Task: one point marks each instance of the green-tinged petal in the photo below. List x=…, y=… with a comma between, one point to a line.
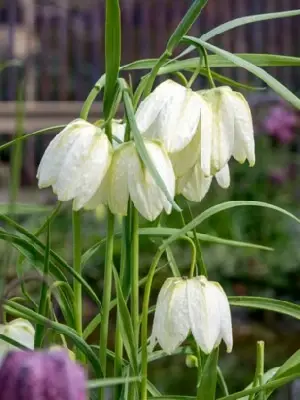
x=194, y=185
x=171, y=321
x=118, y=178
x=146, y=195
x=225, y=316
x=118, y=131
x=244, y=146
x=56, y=152
x=223, y=126
x=223, y=177
x=100, y=197
x=206, y=129
x=204, y=316
x=171, y=115
x=94, y=170
x=185, y=159
x=19, y=330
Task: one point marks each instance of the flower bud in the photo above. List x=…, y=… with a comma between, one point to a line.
x=41, y=375
x=75, y=162
x=191, y=304
x=19, y=330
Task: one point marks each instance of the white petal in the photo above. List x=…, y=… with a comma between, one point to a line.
x=19, y=330
x=149, y=108
x=194, y=185
x=56, y=152
x=171, y=322
x=93, y=171
x=223, y=177
x=225, y=316
x=100, y=197
x=171, y=114
x=185, y=159
x=223, y=127
x=206, y=129
x=204, y=314
x=118, y=130
x=68, y=183
x=244, y=145
x=146, y=195
x=118, y=176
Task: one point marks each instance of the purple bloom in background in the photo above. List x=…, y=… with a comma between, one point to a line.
x=280, y=123
x=51, y=375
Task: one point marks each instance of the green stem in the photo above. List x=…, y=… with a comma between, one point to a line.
x=77, y=288
x=92, y=97
x=200, y=259
x=144, y=328
x=259, y=370
x=150, y=81
x=118, y=362
x=135, y=275
x=108, y=269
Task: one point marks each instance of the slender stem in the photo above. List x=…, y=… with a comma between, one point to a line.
x=200, y=259
x=259, y=370
x=221, y=382
x=118, y=335
x=144, y=329
x=209, y=75
x=108, y=268
x=135, y=275
x=76, y=284
x=92, y=97
x=199, y=371
x=150, y=81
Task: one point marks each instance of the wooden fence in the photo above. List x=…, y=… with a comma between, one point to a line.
x=61, y=43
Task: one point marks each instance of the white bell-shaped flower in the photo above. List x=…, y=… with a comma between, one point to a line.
x=171, y=114
x=129, y=177
x=195, y=305
x=19, y=330
x=118, y=132
x=194, y=185
x=75, y=162
x=232, y=129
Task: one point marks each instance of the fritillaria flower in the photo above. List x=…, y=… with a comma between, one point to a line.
x=75, y=162
x=20, y=330
x=129, y=177
x=195, y=305
x=41, y=375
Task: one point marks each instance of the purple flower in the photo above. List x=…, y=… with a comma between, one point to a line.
x=280, y=123
x=47, y=375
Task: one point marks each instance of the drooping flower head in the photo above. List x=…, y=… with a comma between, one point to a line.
x=19, y=330
x=75, y=162
x=195, y=305
x=129, y=177
x=41, y=375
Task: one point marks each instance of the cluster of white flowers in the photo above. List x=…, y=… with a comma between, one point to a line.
x=189, y=136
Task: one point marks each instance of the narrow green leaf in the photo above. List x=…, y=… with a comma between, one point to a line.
x=112, y=52
x=91, y=251
x=163, y=232
x=126, y=325
x=247, y=20
x=266, y=378
x=106, y=382
x=42, y=310
x=24, y=137
x=18, y=310
x=208, y=383
x=186, y=23
x=290, y=367
x=218, y=208
x=278, y=87
x=13, y=342
x=24, y=209
x=263, y=303
x=217, y=61
x=140, y=145
x=240, y=22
